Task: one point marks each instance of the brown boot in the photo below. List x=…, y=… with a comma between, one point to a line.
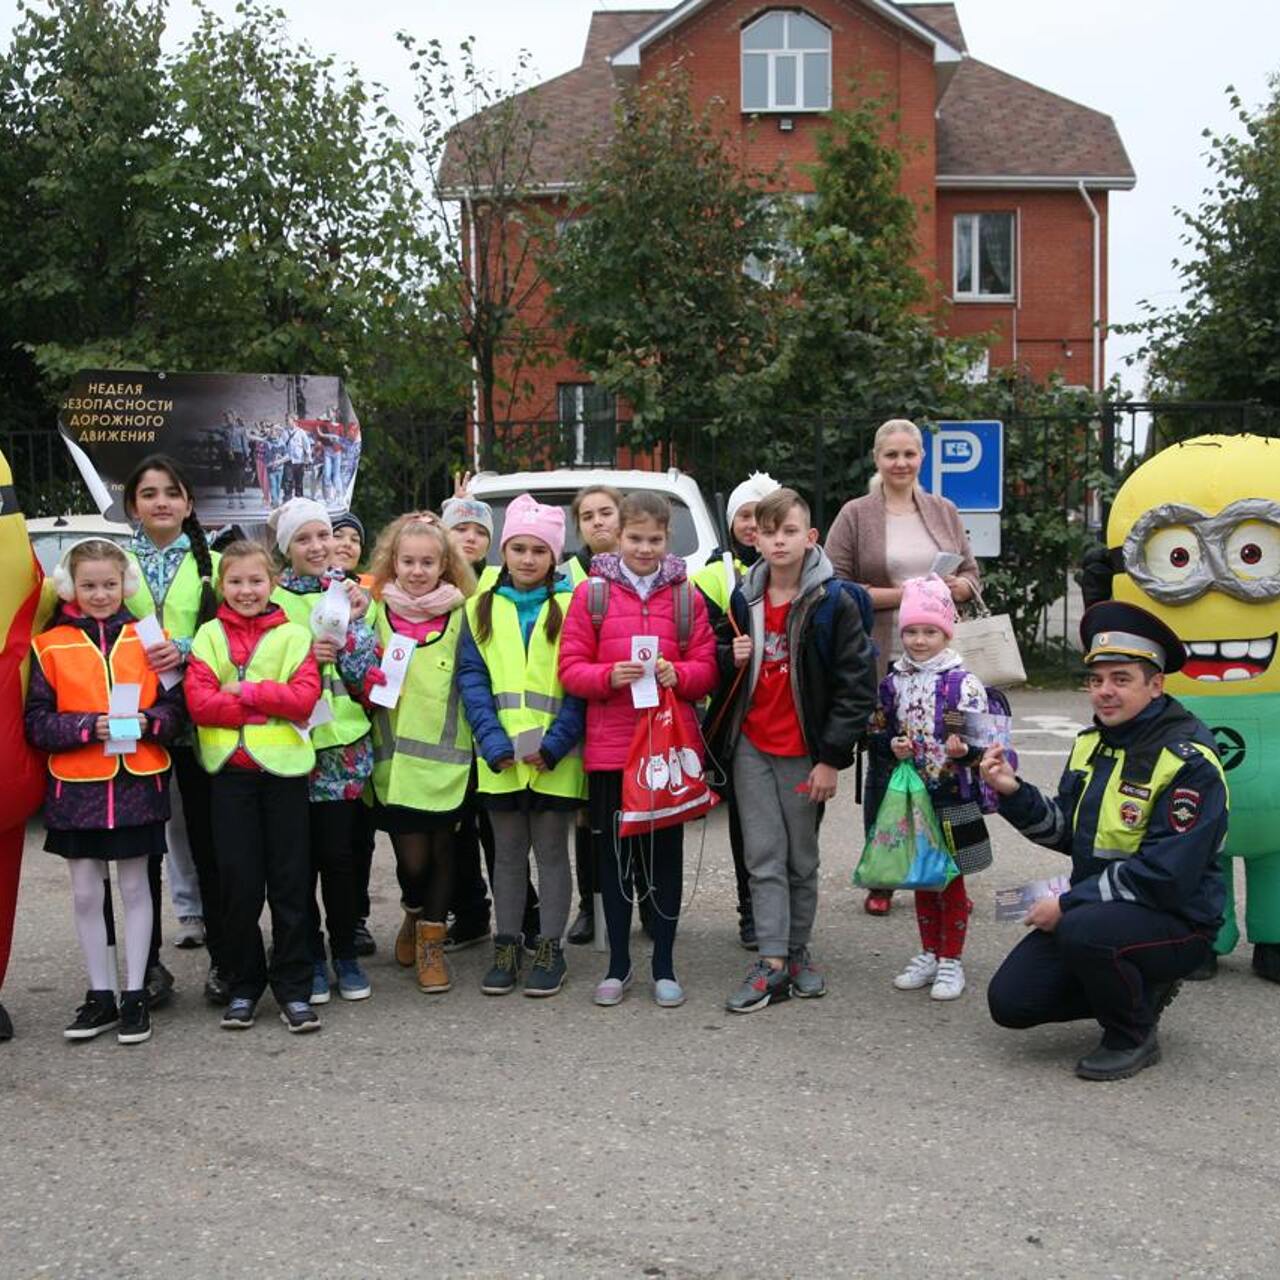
x=433, y=968
x=405, y=944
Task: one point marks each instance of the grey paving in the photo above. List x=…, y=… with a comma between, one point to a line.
x=871, y=1133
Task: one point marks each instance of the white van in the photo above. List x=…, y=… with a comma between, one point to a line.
x=693, y=531
x=52, y=535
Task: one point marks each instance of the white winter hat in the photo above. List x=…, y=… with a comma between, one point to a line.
x=285, y=521
x=759, y=484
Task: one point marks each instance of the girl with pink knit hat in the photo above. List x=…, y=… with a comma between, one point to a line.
x=922, y=703
x=527, y=732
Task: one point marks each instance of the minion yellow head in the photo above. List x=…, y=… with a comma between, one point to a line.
x=1198, y=530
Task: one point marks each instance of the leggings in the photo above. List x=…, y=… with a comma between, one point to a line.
x=514, y=831
x=943, y=919
x=88, y=895
x=424, y=867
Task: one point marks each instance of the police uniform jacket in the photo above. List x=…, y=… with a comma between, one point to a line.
x=1175, y=804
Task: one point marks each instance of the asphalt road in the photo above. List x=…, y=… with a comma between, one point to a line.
x=871, y=1133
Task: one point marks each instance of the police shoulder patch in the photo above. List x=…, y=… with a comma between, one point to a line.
x=1184, y=808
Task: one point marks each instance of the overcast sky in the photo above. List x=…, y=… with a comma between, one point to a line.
x=1159, y=67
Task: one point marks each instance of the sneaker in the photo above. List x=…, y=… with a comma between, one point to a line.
x=668, y=993
x=502, y=977
x=547, y=975
x=239, y=1014
x=466, y=933
x=190, y=933
x=217, y=990
x=950, y=980
x=135, y=1020
x=319, y=983
x=353, y=982
x=806, y=981
x=611, y=990
x=365, y=942
x=920, y=972
x=299, y=1017
x=764, y=986
x=159, y=986
x=582, y=930
x=96, y=1015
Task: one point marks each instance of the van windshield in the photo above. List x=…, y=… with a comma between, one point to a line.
x=684, y=537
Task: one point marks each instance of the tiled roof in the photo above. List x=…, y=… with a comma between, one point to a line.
x=943, y=18
x=575, y=110
x=993, y=124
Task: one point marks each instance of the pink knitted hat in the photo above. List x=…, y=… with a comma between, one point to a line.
x=527, y=517
x=926, y=602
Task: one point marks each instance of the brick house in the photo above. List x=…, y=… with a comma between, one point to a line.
x=1011, y=182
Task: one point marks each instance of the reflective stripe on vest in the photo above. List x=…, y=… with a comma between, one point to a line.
x=527, y=694
x=275, y=747
x=180, y=608
x=82, y=679
x=422, y=746
x=1125, y=809
x=349, y=723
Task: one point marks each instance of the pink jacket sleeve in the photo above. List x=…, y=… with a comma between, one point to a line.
x=294, y=700
x=207, y=703
x=697, y=672
x=580, y=671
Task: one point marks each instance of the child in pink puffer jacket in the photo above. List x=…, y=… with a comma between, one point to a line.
x=645, y=593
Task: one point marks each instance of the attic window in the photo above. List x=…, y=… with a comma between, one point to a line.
x=786, y=63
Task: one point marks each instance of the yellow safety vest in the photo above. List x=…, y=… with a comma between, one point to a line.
x=487, y=577
x=572, y=568
x=277, y=746
x=422, y=745
x=1127, y=804
x=178, y=611
x=710, y=580
x=527, y=694
x=349, y=723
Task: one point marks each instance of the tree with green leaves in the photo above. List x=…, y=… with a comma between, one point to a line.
x=648, y=269
x=1222, y=341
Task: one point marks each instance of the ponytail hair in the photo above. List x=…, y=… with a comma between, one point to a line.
x=484, y=608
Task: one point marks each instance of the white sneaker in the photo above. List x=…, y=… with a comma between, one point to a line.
x=950, y=980
x=921, y=971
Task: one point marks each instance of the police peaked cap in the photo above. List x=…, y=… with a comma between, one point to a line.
x=1113, y=631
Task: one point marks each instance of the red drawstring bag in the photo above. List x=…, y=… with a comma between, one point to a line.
x=663, y=783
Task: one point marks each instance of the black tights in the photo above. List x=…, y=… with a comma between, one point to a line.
x=424, y=867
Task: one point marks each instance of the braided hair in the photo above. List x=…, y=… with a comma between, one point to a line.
x=484, y=607
x=190, y=526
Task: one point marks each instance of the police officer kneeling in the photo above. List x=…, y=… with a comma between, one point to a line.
x=1142, y=810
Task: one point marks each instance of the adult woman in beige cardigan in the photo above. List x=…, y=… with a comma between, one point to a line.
x=891, y=534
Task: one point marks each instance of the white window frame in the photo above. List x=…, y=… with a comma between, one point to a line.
x=771, y=56
x=578, y=422
x=974, y=232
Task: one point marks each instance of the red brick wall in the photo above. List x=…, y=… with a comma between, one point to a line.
x=1055, y=314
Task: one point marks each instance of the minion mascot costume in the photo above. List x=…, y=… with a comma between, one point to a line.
x=23, y=788
x=1194, y=538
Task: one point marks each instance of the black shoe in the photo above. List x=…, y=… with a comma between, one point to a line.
x=299, y=1017
x=239, y=1014
x=217, y=990
x=466, y=933
x=505, y=973
x=6, y=1025
x=1266, y=960
x=158, y=986
x=135, y=1019
x=1205, y=971
x=547, y=975
x=1119, y=1064
x=747, y=931
x=582, y=930
x=365, y=944
x=96, y=1015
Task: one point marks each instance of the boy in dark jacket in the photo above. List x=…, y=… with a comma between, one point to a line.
x=805, y=699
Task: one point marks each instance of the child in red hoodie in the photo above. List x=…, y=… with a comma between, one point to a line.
x=251, y=685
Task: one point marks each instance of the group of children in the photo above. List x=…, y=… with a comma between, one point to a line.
x=462, y=706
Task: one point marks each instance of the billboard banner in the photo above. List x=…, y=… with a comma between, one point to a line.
x=248, y=441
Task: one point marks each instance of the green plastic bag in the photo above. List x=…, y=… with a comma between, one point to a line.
x=906, y=847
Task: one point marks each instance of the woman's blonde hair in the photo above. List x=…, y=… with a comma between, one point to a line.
x=453, y=564
x=245, y=549
x=894, y=427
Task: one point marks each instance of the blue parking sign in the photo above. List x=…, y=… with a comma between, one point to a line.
x=964, y=461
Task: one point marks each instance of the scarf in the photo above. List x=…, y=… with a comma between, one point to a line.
x=443, y=599
x=940, y=662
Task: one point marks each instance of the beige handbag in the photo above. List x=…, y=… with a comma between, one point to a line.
x=988, y=646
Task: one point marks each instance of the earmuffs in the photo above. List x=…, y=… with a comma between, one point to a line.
x=64, y=583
